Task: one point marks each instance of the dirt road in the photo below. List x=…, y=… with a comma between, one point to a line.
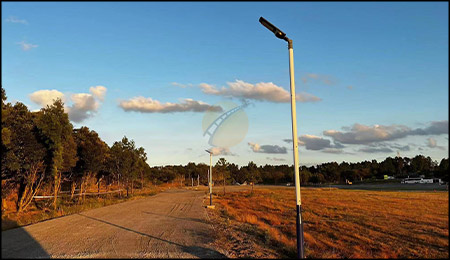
x=172, y=224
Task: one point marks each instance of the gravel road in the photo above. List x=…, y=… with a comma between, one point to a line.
x=171, y=224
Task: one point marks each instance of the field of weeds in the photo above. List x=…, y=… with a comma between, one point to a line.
x=347, y=223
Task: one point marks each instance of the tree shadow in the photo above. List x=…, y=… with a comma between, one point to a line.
x=18, y=243
x=200, y=252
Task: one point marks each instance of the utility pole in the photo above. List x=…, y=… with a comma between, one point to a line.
x=210, y=177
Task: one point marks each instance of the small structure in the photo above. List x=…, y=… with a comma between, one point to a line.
x=417, y=180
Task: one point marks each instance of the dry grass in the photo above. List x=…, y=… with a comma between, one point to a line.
x=348, y=223
x=41, y=210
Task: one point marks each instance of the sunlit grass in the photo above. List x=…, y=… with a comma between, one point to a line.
x=349, y=223
x=43, y=210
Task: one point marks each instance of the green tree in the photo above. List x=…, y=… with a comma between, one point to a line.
x=125, y=161
x=91, y=153
x=23, y=154
x=253, y=173
x=222, y=167
x=56, y=131
x=443, y=169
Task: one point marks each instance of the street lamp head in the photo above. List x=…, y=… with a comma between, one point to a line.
x=278, y=33
x=208, y=151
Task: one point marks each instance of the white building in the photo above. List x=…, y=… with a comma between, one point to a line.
x=421, y=180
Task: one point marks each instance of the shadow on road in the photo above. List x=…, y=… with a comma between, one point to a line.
x=188, y=219
x=13, y=242
x=200, y=252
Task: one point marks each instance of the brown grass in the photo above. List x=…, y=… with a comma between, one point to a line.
x=348, y=223
x=41, y=210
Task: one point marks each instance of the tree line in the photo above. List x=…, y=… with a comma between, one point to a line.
x=330, y=172
x=42, y=151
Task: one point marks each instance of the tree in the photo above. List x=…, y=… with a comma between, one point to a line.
x=305, y=174
x=56, y=131
x=222, y=167
x=142, y=166
x=23, y=154
x=126, y=160
x=421, y=164
x=277, y=175
x=91, y=152
x=253, y=173
x=443, y=169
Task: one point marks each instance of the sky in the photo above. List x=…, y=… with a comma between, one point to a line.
x=371, y=78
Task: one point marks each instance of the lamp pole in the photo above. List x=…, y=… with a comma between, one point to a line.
x=281, y=35
x=210, y=177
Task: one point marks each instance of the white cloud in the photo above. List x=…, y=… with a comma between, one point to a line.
x=255, y=147
x=13, y=19
x=362, y=134
x=376, y=150
x=312, y=142
x=46, y=97
x=27, y=46
x=84, y=105
x=148, y=105
x=435, y=128
x=267, y=148
x=333, y=150
x=263, y=91
x=275, y=159
x=98, y=91
x=220, y=151
x=176, y=84
x=323, y=79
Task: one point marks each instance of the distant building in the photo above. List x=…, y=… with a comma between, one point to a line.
x=421, y=180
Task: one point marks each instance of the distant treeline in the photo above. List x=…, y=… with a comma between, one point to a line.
x=332, y=172
x=41, y=151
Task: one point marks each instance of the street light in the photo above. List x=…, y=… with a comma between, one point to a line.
x=210, y=177
x=279, y=34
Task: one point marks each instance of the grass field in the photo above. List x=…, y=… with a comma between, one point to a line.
x=347, y=223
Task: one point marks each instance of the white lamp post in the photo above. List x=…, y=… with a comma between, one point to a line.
x=279, y=34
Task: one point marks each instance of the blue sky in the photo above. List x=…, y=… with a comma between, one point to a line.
x=376, y=74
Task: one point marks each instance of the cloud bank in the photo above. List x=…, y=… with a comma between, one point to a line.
x=312, y=142
x=84, y=105
x=267, y=148
x=362, y=134
x=263, y=91
x=148, y=105
x=46, y=97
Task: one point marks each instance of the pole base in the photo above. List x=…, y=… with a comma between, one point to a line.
x=211, y=206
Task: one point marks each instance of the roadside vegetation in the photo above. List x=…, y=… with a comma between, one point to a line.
x=338, y=223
